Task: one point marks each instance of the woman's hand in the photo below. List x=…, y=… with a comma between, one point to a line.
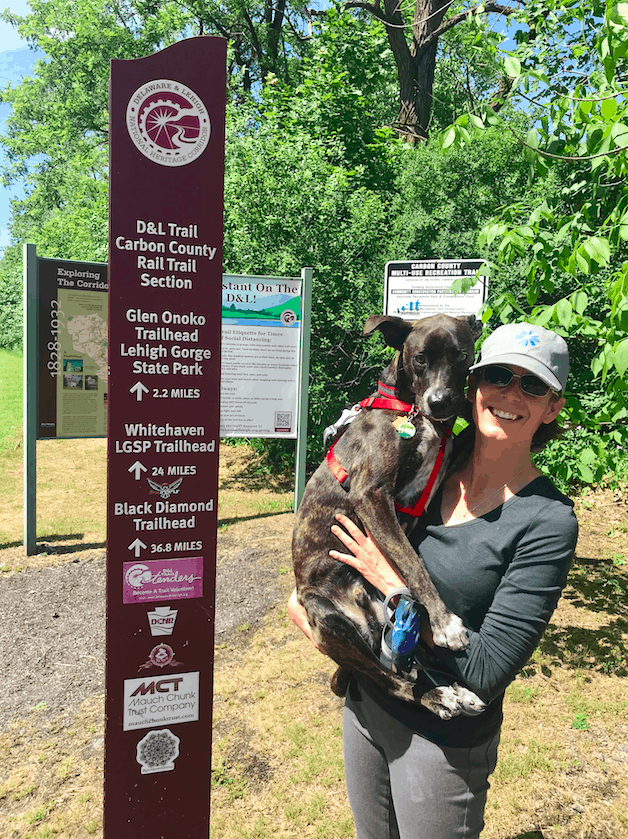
x=365, y=556
x=298, y=615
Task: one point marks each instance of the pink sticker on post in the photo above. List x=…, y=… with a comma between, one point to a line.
x=163, y=579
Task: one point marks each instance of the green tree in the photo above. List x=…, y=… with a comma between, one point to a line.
x=571, y=244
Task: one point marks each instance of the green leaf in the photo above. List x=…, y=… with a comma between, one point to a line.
x=620, y=359
x=543, y=317
x=608, y=108
x=583, y=263
x=617, y=15
x=596, y=365
x=588, y=455
x=598, y=249
x=619, y=133
x=512, y=66
x=585, y=473
x=563, y=312
x=579, y=301
x=448, y=138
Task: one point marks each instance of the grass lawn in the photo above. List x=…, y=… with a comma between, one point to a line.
x=10, y=397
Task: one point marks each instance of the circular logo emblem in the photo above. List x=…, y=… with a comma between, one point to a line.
x=168, y=122
x=287, y=317
x=137, y=575
x=161, y=655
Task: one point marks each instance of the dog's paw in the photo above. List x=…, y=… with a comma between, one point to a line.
x=340, y=681
x=471, y=704
x=449, y=633
x=449, y=701
x=443, y=701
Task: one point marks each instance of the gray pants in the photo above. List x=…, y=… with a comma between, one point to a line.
x=402, y=786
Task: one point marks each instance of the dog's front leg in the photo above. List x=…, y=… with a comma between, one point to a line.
x=376, y=510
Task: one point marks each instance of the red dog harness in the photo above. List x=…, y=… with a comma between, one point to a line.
x=388, y=401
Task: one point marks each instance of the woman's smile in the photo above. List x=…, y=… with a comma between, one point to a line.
x=505, y=415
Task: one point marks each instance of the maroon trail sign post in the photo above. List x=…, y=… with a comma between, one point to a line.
x=167, y=116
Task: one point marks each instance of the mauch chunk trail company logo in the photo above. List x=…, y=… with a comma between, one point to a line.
x=168, y=122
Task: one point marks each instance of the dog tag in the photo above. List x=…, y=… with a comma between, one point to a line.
x=406, y=429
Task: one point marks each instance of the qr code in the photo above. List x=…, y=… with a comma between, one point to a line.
x=283, y=421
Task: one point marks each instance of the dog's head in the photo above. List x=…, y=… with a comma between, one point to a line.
x=434, y=356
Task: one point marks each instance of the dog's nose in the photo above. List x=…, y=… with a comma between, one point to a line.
x=439, y=402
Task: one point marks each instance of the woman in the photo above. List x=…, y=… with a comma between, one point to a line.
x=498, y=540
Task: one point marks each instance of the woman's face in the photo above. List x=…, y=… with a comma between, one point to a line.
x=507, y=413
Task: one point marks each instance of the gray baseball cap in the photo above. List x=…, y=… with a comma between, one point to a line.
x=534, y=348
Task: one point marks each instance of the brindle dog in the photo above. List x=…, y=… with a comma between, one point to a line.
x=345, y=614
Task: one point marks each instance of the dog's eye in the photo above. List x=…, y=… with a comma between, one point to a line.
x=420, y=358
x=463, y=356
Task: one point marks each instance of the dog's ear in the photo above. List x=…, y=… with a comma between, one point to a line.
x=395, y=330
x=474, y=325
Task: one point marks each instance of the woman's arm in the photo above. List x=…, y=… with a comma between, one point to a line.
x=521, y=605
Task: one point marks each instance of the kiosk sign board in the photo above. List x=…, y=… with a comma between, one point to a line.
x=167, y=116
x=420, y=288
x=261, y=340
x=72, y=344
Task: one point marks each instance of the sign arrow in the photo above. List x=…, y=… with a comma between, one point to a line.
x=136, y=546
x=139, y=389
x=138, y=468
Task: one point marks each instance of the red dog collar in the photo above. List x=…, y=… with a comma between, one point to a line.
x=387, y=400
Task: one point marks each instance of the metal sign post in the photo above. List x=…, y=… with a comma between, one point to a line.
x=167, y=115
x=307, y=275
x=30, y=399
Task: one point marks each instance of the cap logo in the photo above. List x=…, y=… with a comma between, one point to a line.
x=528, y=338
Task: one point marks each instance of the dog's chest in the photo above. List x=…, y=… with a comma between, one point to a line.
x=417, y=460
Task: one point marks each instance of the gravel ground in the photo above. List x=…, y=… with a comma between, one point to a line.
x=52, y=631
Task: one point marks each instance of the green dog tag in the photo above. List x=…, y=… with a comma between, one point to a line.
x=406, y=430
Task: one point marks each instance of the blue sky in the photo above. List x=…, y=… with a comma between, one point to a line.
x=16, y=59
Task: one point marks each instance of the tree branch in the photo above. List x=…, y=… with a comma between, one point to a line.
x=489, y=8
x=374, y=9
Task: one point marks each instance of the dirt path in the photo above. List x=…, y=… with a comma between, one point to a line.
x=52, y=631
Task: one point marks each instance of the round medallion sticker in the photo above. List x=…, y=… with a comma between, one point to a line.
x=168, y=122
x=161, y=655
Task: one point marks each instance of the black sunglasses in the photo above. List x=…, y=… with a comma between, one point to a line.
x=499, y=376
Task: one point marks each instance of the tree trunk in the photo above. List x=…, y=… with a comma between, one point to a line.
x=416, y=62
x=428, y=16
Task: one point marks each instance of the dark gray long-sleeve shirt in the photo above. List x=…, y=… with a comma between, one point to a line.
x=503, y=573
